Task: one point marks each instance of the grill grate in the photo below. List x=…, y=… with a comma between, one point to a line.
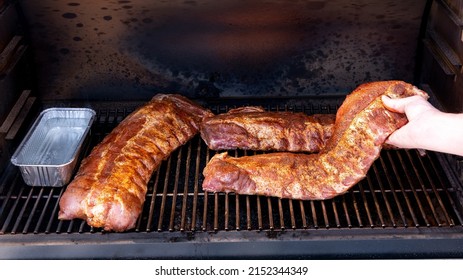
x=402, y=189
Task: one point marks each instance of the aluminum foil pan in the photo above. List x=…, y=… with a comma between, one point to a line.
x=49, y=152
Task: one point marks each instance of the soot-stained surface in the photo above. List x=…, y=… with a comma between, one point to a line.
x=91, y=50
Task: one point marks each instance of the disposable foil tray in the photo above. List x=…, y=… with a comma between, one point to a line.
x=49, y=151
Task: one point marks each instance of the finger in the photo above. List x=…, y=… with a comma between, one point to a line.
x=391, y=140
x=399, y=104
x=402, y=138
x=396, y=140
x=392, y=104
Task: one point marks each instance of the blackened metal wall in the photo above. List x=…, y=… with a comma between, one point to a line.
x=130, y=49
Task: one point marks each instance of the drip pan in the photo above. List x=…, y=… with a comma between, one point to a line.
x=48, y=154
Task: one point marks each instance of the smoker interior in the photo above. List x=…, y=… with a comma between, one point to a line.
x=407, y=206
x=302, y=56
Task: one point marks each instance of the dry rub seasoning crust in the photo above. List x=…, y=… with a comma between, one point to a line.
x=109, y=189
x=253, y=128
x=361, y=127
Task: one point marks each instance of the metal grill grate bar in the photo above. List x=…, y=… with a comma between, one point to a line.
x=314, y=216
x=271, y=225
x=346, y=213
x=357, y=211
x=336, y=216
x=226, y=212
x=291, y=211
x=164, y=195
x=152, y=203
x=185, y=190
x=175, y=191
x=248, y=213
x=259, y=214
x=196, y=188
x=204, y=224
x=53, y=215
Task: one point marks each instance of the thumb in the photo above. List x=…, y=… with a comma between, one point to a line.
x=398, y=104
x=393, y=104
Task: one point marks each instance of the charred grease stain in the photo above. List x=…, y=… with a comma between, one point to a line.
x=69, y=15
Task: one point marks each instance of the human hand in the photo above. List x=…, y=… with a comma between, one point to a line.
x=419, y=113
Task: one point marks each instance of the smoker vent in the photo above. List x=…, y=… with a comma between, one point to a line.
x=402, y=189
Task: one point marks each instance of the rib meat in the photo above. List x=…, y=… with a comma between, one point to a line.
x=110, y=186
x=252, y=128
x=361, y=127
